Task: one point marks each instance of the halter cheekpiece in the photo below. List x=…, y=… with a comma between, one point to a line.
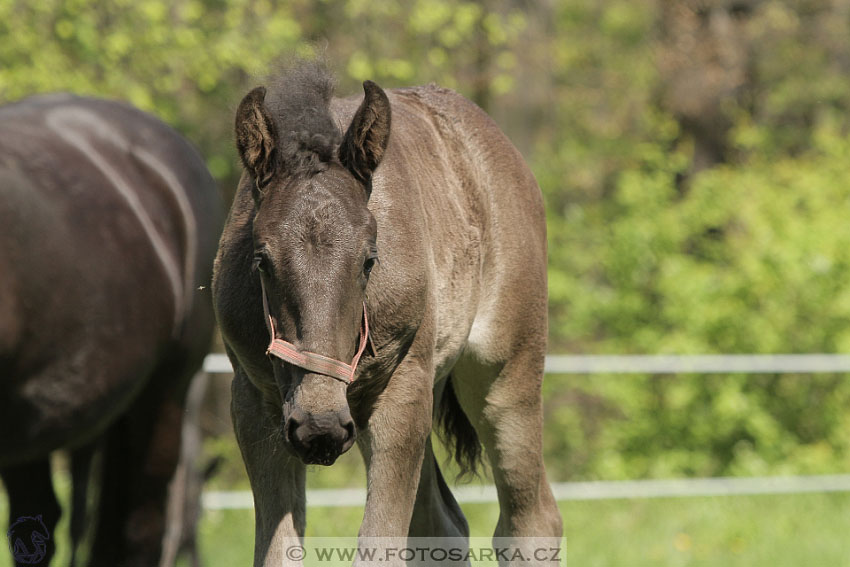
x=310, y=360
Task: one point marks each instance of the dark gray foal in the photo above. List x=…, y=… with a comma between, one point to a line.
x=409, y=209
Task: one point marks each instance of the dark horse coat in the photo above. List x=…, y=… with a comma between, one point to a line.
x=412, y=202
x=108, y=223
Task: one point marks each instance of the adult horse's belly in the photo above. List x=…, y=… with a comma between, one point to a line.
x=89, y=332
x=85, y=326
x=64, y=404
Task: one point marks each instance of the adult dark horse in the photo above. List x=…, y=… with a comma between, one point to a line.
x=108, y=226
x=442, y=248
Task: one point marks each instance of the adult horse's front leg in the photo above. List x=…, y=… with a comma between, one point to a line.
x=277, y=478
x=33, y=512
x=393, y=447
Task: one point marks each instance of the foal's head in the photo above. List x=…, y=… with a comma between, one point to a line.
x=314, y=243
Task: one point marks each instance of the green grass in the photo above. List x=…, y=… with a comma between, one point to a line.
x=730, y=531
x=751, y=531
x=745, y=531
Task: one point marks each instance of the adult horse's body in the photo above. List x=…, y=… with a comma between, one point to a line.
x=456, y=305
x=108, y=221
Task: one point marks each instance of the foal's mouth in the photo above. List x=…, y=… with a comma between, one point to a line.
x=325, y=456
x=324, y=460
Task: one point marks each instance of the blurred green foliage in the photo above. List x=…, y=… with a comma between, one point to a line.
x=693, y=155
x=184, y=61
x=700, y=210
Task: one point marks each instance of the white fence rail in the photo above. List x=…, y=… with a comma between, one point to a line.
x=597, y=490
x=600, y=490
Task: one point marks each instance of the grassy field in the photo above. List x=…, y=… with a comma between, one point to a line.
x=753, y=531
x=730, y=531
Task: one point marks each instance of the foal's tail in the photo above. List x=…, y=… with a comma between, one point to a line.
x=457, y=433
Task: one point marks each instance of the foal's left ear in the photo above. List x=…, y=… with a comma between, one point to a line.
x=365, y=142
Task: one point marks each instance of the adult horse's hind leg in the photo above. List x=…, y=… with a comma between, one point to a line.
x=137, y=465
x=504, y=404
x=33, y=512
x=139, y=458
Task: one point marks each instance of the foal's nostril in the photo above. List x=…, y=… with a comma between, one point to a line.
x=293, y=421
x=350, y=432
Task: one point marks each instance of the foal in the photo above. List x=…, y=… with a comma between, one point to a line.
x=384, y=261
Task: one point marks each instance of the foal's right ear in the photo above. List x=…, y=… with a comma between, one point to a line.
x=366, y=139
x=256, y=137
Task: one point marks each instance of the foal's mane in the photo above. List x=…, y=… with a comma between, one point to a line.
x=299, y=101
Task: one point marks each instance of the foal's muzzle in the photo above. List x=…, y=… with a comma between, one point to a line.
x=319, y=438
x=312, y=361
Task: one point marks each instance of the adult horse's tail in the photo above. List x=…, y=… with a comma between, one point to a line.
x=457, y=432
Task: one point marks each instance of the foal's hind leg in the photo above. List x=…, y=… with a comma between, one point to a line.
x=31, y=503
x=436, y=513
x=438, y=521
x=504, y=404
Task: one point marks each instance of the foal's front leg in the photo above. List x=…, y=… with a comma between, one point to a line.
x=393, y=447
x=277, y=479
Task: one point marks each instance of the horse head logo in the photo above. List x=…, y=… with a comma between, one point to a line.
x=28, y=540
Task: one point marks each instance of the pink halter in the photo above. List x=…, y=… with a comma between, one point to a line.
x=310, y=360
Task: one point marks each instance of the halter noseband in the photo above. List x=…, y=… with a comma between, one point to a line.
x=310, y=360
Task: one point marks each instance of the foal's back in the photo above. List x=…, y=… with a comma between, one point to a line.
x=458, y=206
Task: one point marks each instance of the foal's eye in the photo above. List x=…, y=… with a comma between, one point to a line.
x=259, y=263
x=368, y=265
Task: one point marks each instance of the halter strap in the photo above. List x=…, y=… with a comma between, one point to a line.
x=310, y=360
